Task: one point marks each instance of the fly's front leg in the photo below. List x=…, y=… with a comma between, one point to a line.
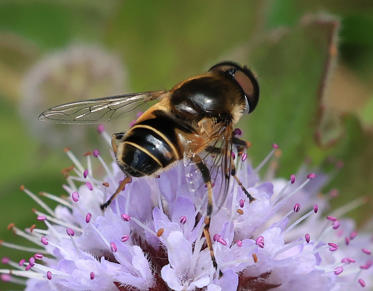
x=115, y=139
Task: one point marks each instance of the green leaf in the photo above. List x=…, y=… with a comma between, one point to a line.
x=291, y=66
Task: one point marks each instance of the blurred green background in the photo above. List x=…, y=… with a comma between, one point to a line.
x=313, y=59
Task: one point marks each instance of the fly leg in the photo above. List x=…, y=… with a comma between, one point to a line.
x=115, y=138
x=206, y=230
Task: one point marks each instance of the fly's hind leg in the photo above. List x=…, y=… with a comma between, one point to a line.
x=206, y=230
x=115, y=138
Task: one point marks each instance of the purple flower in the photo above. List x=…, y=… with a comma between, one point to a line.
x=151, y=237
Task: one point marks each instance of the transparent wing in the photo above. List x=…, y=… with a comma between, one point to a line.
x=101, y=109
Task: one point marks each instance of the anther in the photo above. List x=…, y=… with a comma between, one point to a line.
x=353, y=235
x=49, y=275
x=331, y=218
x=244, y=157
x=296, y=207
x=362, y=282
x=242, y=203
x=21, y=262
x=124, y=238
x=75, y=196
x=160, y=232
x=89, y=186
x=44, y=240
x=32, y=227
x=5, y=260
x=336, y=224
x=41, y=218
x=260, y=241
x=88, y=217
x=105, y=184
x=255, y=258
x=38, y=256
x=366, y=251
x=126, y=217
x=292, y=179
x=91, y=275
x=85, y=173
x=70, y=232
x=338, y=270
x=113, y=247
x=311, y=176
x=66, y=149
x=239, y=243
x=333, y=247
x=100, y=128
x=183, y=219
x=315, y=208
x=96, y=153
x=237, y=132
x=307, y=237
x=240, y=211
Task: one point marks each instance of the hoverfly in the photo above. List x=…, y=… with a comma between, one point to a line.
x=193, y=120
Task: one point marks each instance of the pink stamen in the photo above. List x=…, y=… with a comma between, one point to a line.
x=124, y=238
x=96, y=153
x=100, y=128
x=49, y=275
x=348, y=260
x=260, y=241
x=21, y=262
x=336, y=224
x=275, y=146
x=5, y=260
x=242, y=203
x=88, y=217
x=362, y=282
x=292, y=179
x=367, y=265
x=338, y=270
x=331, y=218
x=75, y=196
x=222, y=241
x=28, y=267
x=244, y=157
x=89, y=186
x=41, y=218
x=92, y=275
x=126, y=217
x=6, y=277
x=311, y=176
x=70, y=232
x=333, y=247
x=31, y=261
x=44, y=241
x=85, y=173
x=296, y=207
x=113, y=247
x=366, y=251
x=315, y=208
x=353, y=235
x=38, y=256
x=347, y=240
x=239, y=243
x=216, y=237
x=307, y=237
x=233, y=155
x=183, y=219
x=237, y=132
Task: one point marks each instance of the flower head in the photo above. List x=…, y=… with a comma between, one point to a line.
x=151, y=236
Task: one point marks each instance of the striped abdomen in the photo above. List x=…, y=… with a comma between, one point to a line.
x=149, y=146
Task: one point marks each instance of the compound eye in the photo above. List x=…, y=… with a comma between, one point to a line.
x=244, y=78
